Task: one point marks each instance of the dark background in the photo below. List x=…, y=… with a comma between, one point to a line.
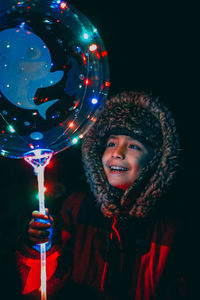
x=151, y=47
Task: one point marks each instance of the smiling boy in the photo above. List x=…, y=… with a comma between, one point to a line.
x=124, y=159
x=117, y=242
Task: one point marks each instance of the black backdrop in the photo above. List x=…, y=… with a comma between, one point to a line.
x=151, y=47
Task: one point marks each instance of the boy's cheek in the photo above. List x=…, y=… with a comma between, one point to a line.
x=104, y=163
x=105, y=171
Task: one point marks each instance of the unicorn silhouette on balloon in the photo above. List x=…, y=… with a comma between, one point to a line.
x=25, y=65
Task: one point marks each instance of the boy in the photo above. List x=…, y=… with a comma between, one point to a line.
x=118, y=240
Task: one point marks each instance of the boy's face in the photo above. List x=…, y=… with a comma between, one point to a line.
x=124, y=159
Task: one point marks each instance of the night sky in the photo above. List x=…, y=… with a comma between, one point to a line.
x=151, y=47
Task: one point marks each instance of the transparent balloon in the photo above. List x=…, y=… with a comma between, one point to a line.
x=54, y=76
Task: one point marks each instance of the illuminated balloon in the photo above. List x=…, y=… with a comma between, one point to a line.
x=54, y=76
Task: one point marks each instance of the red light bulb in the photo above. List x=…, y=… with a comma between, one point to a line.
x=63, y=5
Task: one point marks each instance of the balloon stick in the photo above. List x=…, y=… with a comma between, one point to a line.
x=39, y=159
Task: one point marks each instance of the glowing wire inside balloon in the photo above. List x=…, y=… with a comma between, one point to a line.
x=39, y=159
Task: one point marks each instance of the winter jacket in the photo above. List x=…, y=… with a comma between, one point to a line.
x=101, y=258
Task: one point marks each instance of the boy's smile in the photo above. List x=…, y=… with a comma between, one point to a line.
x=123, y=160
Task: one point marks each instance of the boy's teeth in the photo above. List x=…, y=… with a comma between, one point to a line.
x=118, y=168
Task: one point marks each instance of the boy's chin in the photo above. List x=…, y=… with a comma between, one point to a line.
x=123, y=187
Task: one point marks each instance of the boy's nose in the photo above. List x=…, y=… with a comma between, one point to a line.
x=119, y=153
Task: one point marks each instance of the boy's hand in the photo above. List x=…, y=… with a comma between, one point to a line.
x=37, y=229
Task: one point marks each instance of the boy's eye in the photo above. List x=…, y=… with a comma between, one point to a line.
x=111, y=144
x=133, y=146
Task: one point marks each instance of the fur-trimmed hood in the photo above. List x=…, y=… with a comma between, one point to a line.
x=149, y=121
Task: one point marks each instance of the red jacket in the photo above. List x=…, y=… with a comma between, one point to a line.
x=101, y=258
